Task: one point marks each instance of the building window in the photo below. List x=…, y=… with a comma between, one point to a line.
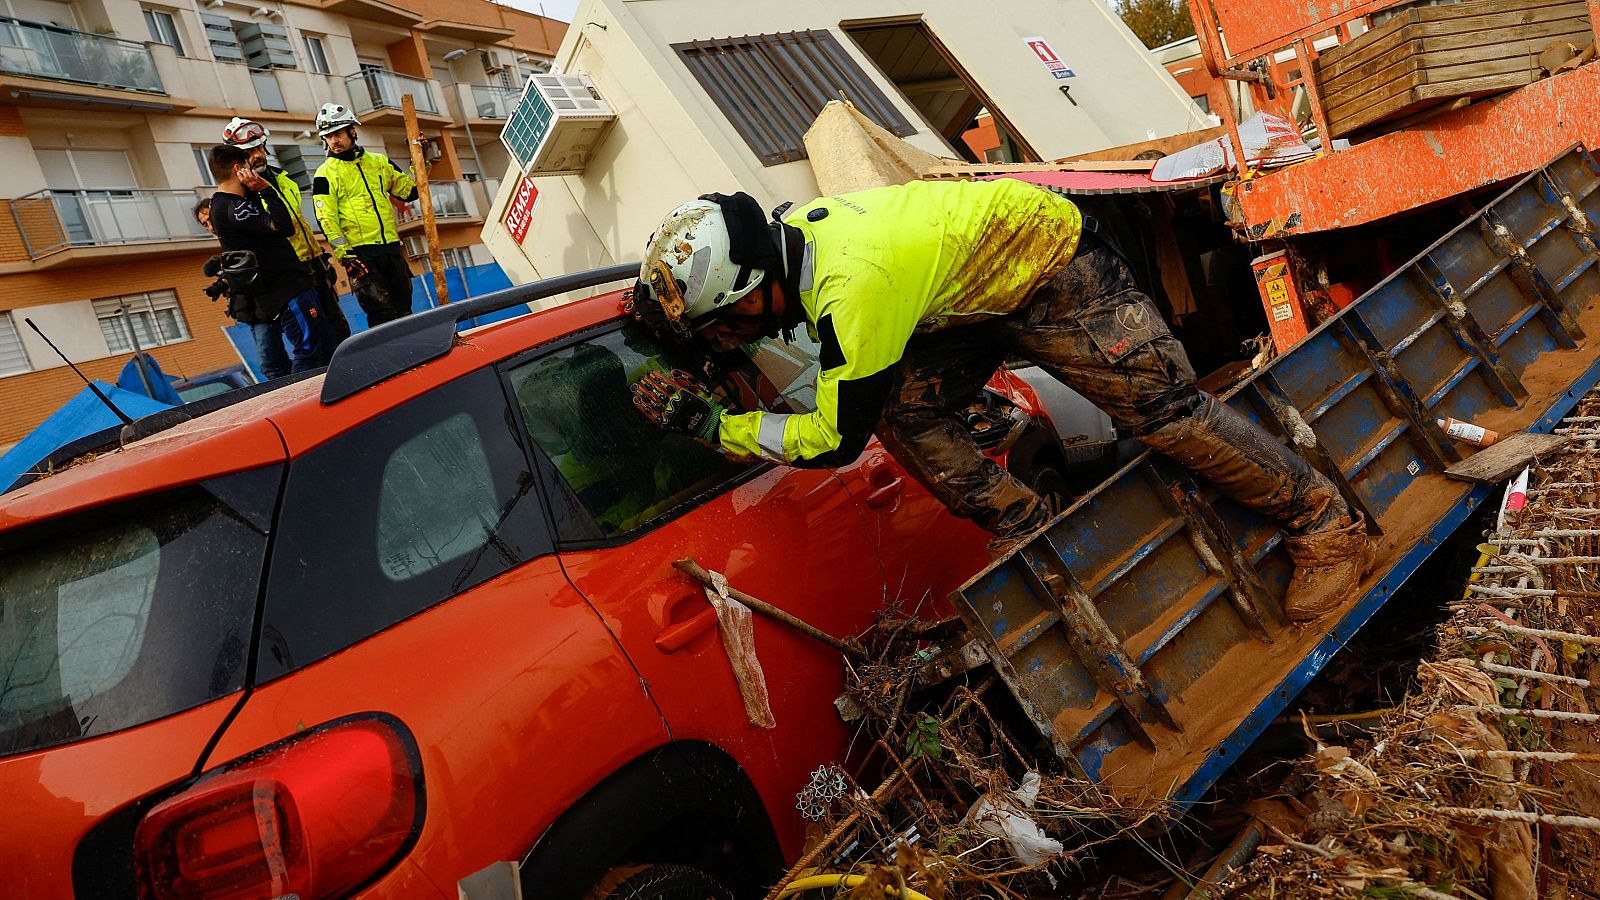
x=163, y=30
x=156, y=317
x=202, y=156
x=772, y=86
x=317, y=54
x=13, y=358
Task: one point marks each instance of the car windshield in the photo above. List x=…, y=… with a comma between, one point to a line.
x=119, y=616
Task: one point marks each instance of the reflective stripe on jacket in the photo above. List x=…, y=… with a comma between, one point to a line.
x=352, y=200
x=885, y=263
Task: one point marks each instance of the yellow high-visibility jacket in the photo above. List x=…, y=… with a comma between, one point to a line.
x=352, y=200
x=883, y=264
x=303, y=239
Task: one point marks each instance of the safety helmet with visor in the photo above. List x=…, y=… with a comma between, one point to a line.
x=688, y=269
x=246, y=134
x=334, y=117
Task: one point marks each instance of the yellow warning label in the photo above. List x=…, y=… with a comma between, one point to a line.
x=1277, y=291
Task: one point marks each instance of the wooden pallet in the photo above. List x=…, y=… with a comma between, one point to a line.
x=1435, y=54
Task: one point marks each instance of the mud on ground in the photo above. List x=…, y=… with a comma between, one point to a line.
x=1484, y=782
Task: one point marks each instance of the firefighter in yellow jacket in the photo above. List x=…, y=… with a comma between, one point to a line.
x=351, y=192
x=916, y=293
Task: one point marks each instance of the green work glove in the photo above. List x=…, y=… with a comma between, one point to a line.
x=676, y=401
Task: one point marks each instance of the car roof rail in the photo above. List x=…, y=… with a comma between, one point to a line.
x=368, y=357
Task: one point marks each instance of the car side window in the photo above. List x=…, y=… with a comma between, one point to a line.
x=622, y=471
x=396, y=515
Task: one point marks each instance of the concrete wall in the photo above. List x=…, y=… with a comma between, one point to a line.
x=671, y=143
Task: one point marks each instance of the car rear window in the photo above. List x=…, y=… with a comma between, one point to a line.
x=124, y=614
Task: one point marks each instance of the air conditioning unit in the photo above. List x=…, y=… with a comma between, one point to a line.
x=493, y=60
x=415, y=246
x=557, y=124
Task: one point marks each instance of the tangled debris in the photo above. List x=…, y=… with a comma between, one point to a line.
x=967, y=804
x=1485, y=781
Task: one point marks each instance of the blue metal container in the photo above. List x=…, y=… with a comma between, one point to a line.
x=1144, y=633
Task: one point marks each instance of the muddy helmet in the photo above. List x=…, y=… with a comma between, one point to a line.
x=334, y=117
x=246, y=134
x=687, y=269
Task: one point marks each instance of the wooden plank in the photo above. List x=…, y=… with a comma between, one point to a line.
x=1510, y=455
x=1402, y=28
x=1453, y=47
x=967, y=170
x=1414, y=72
x=1420, y=96
x=1164, y=145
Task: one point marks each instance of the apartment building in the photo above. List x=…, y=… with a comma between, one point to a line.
x=107, y=108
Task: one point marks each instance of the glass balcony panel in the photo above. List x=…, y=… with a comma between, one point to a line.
x=374, y=89
x=54, y=220
x=65, y=54
x=491, y=101
x=449, y=202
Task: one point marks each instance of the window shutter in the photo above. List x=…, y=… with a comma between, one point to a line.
x=57, y=168
x=13, y=358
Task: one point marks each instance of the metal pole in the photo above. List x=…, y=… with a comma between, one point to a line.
x=419, y=170
x=138, y=351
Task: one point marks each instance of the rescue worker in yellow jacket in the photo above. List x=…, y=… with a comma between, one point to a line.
x=251, y=136
x=351, y=192
x=916, y=293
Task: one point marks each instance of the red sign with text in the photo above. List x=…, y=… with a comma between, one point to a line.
x=1052, y=62
x=519, y=212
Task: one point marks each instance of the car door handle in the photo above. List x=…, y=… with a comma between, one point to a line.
x=886, y=493
x=678, y=635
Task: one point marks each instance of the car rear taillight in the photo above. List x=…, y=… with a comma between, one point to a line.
x=315, y=816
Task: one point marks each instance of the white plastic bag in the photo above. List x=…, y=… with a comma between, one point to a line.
x=1003, y=815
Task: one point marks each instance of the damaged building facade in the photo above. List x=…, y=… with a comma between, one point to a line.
x=711, y=96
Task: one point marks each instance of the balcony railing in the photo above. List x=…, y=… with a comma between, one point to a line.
x=451, y=200
x=374, y=89
x=65, y=54
x=488, y=101
x=52, y=220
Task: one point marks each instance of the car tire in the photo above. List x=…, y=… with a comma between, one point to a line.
x=668, y=881
x=1049, y=483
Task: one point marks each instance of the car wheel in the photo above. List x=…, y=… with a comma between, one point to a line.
x=1049, y=483
x=665, y=881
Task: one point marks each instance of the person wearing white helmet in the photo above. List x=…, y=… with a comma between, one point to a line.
x=916, y=294
x=251, y=136
x=351, y=192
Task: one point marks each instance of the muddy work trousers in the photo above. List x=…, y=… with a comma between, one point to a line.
x=1093, y=330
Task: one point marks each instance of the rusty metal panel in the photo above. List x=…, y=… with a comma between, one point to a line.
x=1487, y=142
x=1144, y=631
x=1250, y=27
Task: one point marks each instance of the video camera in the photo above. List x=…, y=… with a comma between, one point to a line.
x=234, y=272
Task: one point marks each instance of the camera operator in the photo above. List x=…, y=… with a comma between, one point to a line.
x=246, y=214
x=251, y=137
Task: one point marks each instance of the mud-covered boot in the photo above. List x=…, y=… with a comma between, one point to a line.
x=1328, y=565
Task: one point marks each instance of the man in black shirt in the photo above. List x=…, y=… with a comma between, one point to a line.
x=247, y=215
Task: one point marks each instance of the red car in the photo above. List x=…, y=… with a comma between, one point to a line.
x=371, y=632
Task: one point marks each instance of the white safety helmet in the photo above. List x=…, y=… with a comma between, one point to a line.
x=687, y=269
x=334, y=117
x=246, y=134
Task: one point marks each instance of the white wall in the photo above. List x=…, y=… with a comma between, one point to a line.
x=74, y=328
x=671, y=142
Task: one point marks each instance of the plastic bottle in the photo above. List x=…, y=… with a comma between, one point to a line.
x=1468, y=433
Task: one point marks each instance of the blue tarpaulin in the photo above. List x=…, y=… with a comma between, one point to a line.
x=82, y=416
x=154, y=383
x=462, y=283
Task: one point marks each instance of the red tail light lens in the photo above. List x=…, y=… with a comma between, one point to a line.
x=315, y=816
